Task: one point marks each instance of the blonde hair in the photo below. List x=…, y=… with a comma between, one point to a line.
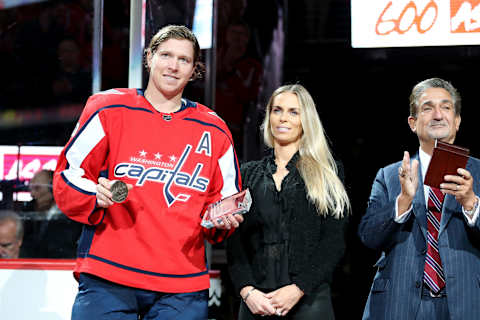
x=316, y=164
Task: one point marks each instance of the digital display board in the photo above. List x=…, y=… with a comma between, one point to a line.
x=408, y=23
x=22, y=162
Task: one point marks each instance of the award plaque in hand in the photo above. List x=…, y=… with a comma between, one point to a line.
x=239, y=203
x=119, y=191
x=446, y=159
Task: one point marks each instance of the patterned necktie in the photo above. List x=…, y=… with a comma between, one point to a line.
x=433, y=274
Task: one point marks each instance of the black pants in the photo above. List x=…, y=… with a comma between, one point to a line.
x=316, y=306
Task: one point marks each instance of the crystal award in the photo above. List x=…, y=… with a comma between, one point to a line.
x=238, y=203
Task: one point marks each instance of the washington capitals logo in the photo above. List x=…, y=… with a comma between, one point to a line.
x=168, y=177
x=170, y=197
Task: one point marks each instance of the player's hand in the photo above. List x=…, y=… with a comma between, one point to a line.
x=228, y=221
x=104, y=196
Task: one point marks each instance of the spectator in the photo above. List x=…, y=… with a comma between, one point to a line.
x=36, y=30
x=72, y=81
x=11, y=235
x=49, y=233
x=41, y=190
x=238, y=79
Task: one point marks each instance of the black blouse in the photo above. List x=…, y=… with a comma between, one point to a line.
x=283, y=240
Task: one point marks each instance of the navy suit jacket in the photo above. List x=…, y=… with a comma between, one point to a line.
x=396, y=290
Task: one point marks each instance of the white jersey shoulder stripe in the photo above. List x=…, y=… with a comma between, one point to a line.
x=213, y=113
x=229, y=171
x=87, y=139
x=74, y=178
x=110, y=91
x=81, y=146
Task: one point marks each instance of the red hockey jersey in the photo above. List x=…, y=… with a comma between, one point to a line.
x=178, y=163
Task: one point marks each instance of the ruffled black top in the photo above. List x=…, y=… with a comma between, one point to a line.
x=283, y=239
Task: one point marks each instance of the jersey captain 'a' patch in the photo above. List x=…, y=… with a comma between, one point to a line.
x=205, y=144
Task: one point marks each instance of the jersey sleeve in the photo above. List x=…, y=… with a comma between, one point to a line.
x=80, y=164
x=226, y=181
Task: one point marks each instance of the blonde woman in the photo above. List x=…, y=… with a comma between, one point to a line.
x=282, y=257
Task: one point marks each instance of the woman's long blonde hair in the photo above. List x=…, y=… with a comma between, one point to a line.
x=316, y=164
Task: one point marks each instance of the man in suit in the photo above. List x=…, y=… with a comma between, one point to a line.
x=428, y=269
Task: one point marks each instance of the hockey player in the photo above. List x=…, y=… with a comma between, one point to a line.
x=145, y=257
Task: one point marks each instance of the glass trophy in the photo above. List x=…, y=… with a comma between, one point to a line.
x=238, y=203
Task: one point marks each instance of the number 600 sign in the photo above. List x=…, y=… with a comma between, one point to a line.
x=408, y=17
x=403, y=23
x=464, y=16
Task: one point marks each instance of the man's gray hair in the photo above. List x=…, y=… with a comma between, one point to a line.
x=9, y=215
x=421, y=87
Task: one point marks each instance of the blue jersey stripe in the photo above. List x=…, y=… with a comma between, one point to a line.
x=151, y=273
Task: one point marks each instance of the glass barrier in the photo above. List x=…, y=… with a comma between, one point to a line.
x=46, y=62
x=46, y=234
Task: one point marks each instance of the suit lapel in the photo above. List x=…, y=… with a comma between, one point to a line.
x=450, y=206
